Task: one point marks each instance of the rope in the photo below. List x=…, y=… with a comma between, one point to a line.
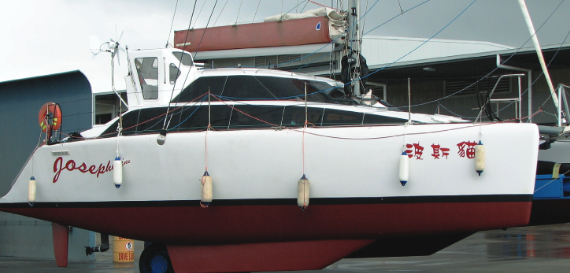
x=550, y=182
x=206, y=136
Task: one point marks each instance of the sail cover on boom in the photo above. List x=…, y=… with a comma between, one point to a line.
x=317, y=26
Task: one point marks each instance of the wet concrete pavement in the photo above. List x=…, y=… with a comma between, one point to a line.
x=529, y=249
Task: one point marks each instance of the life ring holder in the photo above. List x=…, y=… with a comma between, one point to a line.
x=49, y=118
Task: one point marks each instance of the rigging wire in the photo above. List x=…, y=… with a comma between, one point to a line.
x=558, y=50
x=307, y=2
x=389, y=20
x=495, y=69
x=220, y=13
x=199, y=12
x=321, y=5
x=283, y=14
x=185, y=41
x=171, y=24
x=238, y=12
x=205, y=29
x=542, y=73
x=195, y=54
x=253, y=19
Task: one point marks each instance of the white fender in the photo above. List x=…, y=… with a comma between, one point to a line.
x=207, y=193
x=404, y=168
x=303, y=193
x=118, y=172
x=32, y=191
x=479, y=158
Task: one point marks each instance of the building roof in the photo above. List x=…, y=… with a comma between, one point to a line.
x=381, y=50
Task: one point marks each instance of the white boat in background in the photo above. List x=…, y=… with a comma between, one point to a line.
x=255, y=133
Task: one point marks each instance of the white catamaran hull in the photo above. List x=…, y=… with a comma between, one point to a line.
x=355, y=193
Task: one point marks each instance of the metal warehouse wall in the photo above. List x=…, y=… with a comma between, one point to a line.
x=20, y=102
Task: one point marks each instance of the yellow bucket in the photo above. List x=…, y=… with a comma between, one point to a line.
x=123, y=250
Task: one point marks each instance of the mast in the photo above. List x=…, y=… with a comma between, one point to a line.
x=354, y=45
x=534, y=36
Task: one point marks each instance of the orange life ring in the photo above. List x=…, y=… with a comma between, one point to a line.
x=53, y=111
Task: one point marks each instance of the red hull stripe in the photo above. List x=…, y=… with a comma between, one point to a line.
x=192, y=225
x=281, y=202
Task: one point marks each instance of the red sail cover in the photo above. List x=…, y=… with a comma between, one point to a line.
x=314, y=30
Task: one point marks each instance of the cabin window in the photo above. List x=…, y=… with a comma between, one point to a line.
x=376, y=119
x=255, y=116
x=147, y=70
x=151, y=120
x=183, y=57
x=174, y=73
x=199, y=87
x=294, y=116
x=130, y=121
x=240, y=116
x=338, y=117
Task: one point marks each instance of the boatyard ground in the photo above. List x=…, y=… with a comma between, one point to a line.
x=528, y=249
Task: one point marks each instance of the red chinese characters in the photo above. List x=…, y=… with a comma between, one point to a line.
x=466, y=148
x=417, y=151
x=439, y=151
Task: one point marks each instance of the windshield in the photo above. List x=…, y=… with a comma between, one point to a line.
x=183, y=57
x=245, y=87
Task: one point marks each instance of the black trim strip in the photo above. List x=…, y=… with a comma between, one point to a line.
x=283, y=202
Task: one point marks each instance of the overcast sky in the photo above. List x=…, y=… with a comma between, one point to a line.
x=45, y=37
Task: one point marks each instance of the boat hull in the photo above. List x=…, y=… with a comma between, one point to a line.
x=253, y=222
